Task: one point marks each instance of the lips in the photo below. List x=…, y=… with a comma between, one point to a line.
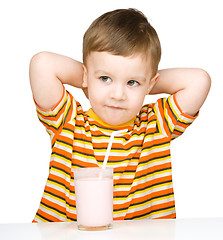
x=115, y=107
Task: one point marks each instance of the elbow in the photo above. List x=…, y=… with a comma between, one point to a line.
x=38, y=64
x=38, y=59
x=204, y=80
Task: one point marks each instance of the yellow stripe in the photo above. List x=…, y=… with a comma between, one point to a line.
x=155, y=213
x=151, y=201
x=82, y=142
x=67, y=108
x=42, y=219
x=158, y=122
x=151, y=214
x=52, y=210
x=153, y=174
x=167, y=117
x=179, y=130
x=83, y=156
x=69, y=220
x=125, y=174
x=172, y=108
x=60, y=200
x=142, y=191
x=156, y=147
x=56, y=198
x=67, y=131
x=143, y=204
x=101, y=137
x=61, y=172
x=117, y=150
x=155, y=160
x=122, y=186
x=50, y=124
x=60, y=157
x=120, y=162
x=59, y=185
x=64, y=144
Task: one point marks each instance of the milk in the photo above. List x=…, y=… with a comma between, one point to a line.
x=94, y=200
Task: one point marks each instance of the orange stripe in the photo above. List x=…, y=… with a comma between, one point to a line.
x=54, y=205
x=150, y=210
x=49, y=217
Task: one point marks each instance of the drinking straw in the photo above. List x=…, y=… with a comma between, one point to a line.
x=110, y=145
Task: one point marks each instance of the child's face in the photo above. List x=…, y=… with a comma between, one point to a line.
x=117, y=85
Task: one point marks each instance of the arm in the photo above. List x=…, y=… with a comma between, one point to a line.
x=48, y=71
x=191, y=86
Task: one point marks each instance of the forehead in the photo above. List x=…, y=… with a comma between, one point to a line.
x=104, y=61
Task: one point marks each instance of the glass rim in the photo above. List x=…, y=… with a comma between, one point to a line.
x=83, y=172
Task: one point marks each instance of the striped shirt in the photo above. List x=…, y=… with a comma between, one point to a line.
x=140, y=158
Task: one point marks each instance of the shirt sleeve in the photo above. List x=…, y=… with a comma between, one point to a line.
x=171, y=120
x=55, y=118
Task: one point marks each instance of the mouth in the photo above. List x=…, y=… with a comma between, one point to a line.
x=115, y=107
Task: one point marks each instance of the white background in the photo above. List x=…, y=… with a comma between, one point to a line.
x=191, y=36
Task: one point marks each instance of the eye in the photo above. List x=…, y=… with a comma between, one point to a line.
x=133, y=83
x=105, y=79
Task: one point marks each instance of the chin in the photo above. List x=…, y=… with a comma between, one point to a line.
x=115, y=123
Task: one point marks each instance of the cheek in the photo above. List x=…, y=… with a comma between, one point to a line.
x=96, y=94
x=137, y=104
x=138, y=97
x=137, y=101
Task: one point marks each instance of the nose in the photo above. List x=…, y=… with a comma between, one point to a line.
x=118, y=92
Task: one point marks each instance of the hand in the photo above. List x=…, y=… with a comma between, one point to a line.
x=48, y=72
x=190, y=86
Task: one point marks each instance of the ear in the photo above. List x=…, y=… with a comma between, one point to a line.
x=153, y=82
x=84, y=84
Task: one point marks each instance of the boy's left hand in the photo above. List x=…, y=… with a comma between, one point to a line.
x=190, y=86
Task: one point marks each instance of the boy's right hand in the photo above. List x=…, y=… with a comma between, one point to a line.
x=48, y=71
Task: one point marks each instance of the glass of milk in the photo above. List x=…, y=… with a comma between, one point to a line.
x=94, y=198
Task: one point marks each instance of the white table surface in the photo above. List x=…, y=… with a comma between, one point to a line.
x=188, y=229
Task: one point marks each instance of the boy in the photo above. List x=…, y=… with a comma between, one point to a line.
x=121, y=53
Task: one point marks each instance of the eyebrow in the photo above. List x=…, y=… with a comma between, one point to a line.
x=140, y=78
x=102, y=72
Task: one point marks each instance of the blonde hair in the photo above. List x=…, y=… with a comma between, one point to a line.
x=123, y=32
